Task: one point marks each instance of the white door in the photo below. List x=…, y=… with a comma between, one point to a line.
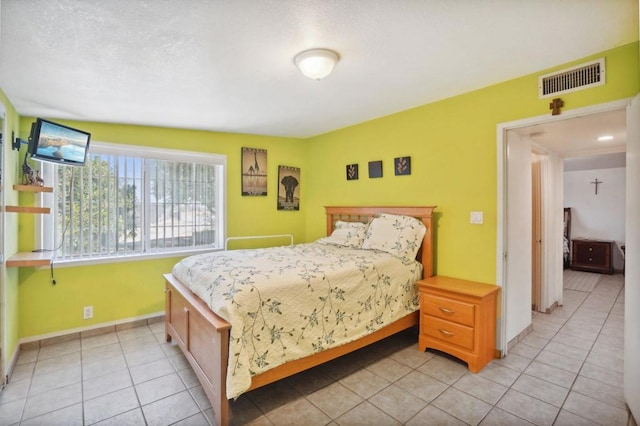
x=518, y=235
x=632, y=263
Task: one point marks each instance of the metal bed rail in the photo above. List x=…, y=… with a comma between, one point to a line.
x=252, y=237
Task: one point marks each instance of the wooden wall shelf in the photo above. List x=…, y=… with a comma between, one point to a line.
x=27, y=209
x=25, y=259
x=32, y=188
x=42, y=258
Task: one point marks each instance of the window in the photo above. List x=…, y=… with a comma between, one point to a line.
x=133, y=201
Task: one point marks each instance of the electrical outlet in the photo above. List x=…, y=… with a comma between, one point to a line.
x=87, y=312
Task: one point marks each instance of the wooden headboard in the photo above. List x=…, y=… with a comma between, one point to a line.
x=365, y=214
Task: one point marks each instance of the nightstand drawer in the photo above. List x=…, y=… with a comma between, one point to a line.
x=448, y=331
x=449, y=309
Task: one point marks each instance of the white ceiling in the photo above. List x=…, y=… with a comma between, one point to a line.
x=577, y=138
x=228, y=65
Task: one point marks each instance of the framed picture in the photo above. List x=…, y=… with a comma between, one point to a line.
x=402, y=166
x=352, y=172
x=288, y=188
x=254, y=171
x=375, y=169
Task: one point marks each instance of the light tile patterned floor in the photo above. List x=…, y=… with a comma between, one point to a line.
x=567, y=371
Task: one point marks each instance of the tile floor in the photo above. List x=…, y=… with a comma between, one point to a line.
x=567, y=371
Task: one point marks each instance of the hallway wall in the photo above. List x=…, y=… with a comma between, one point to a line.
x=597, y=216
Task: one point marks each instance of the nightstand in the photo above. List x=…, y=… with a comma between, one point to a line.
x=459, y=317
x=592, y=256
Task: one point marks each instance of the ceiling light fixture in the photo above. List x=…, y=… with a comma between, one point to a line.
x=605, y=138
x=316, y=63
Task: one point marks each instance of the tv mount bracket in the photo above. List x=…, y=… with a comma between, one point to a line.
x=17, y=142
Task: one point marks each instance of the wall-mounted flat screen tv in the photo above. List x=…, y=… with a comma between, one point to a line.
x=57, y=143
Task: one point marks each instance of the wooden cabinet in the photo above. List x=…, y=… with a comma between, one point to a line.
x=592, y=256
x=459, y=317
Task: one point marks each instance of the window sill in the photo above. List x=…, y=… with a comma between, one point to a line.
x=123, y=259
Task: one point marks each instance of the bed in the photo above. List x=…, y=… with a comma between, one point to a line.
x=221, y=355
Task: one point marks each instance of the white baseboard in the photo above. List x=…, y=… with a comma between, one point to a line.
x=88, y=328
x=10, y=366
x=520, y=336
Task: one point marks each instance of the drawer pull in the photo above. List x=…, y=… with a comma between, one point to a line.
x=590, y=248
x=445, y=332
x=447, y=311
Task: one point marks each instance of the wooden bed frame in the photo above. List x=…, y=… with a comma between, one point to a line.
x=203, y=336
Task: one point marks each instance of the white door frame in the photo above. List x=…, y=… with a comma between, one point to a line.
x=3, y=317
x=501, y=243
x=632, y=278
x=539, y=300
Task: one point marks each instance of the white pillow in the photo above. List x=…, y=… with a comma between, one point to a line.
x=398, y=235
x=348, y=234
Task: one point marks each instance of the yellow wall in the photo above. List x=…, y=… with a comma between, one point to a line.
x=452, y=144
x=129, y=289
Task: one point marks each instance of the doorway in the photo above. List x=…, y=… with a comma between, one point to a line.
x=514, y=255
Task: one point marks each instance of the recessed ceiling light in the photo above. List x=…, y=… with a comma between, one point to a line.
x=605, y=138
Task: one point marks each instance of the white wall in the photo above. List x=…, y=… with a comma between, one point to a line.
x=601, y=216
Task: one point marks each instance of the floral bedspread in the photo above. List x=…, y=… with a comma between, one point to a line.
x=284, y=303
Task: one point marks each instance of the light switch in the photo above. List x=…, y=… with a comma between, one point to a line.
x=477, y=218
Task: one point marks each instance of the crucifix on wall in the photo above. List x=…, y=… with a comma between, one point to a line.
x=596, y=183
x=555, y=106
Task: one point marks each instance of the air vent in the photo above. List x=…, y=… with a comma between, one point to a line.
x=571, y=79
